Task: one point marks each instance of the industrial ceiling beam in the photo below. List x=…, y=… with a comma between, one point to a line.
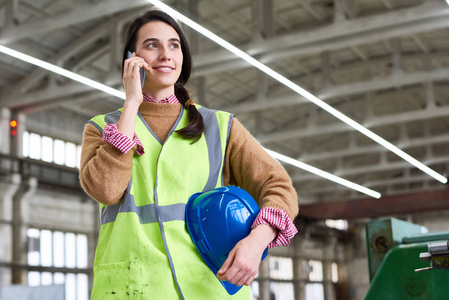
x=291, y=98
x=71, y=49
x=84, y=11
x=374, y=208
x=429, y=16
x=374, y=148
x=387, y=187
x=371, y=123
x=396, y=80
x=371, y=169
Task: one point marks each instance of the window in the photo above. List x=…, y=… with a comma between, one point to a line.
x=337, y=224
x=35, y=146
x=47, y=149
x=59, y=249
x=282, y=290
x=315, y=270
x=51, y=150
x=334, y=272
x=314, y=289
x=70, y=155
x=26, y=144
x=254, y=289
x=59, y=152
x=281, y=268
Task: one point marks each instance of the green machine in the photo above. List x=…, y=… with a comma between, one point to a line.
x=406, y=264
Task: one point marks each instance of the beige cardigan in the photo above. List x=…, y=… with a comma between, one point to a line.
x=105, y=171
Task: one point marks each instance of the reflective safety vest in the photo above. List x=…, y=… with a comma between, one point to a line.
x=144, y=250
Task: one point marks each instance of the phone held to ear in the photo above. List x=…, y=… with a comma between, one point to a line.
x=142, y=70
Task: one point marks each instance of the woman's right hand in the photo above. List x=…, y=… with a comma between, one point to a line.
x=134, y=96
x=131, y=78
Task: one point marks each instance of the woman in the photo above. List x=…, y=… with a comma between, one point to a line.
x=142, y=162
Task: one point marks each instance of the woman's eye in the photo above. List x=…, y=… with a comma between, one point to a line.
x=175, y=46
x=152, y=45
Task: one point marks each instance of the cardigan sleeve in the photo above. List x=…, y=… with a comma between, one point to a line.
x=250, y=167
x=104, y=170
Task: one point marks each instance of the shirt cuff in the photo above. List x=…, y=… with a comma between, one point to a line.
x=112, y=136
x=277, y=218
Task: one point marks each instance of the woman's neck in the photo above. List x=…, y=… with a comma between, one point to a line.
x=159, y=94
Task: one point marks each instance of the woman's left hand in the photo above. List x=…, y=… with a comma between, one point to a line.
x=243, y=261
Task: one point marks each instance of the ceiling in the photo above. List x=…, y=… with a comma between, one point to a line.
x=383, y=63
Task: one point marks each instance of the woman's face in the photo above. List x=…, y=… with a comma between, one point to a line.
x=159, y=44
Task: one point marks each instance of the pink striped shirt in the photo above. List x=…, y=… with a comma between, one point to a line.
x=276, y=218
x=170, y=99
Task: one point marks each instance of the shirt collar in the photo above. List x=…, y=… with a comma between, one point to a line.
x=170, y=99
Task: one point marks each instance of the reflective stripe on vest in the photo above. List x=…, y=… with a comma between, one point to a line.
x=149, y=223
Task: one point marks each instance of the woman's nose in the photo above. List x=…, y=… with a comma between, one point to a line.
x=164, y=54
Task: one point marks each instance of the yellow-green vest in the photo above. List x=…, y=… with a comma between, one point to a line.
x=144, y=250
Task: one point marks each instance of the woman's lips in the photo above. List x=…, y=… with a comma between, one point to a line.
x=164, y=69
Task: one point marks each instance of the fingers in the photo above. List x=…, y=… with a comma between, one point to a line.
x=250, y=279
x=131, y=77
x=242, y=279
x=132, y=66
x=237, y=271
x=240, y=276
x=226, y=265
x=242, y=264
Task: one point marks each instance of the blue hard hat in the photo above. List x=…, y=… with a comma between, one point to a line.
x=217, y=220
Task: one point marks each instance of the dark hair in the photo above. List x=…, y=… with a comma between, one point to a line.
x=196, y=125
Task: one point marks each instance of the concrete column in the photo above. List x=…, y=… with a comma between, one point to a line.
x=11, y=13
x=261, y=95
x=115, y=59
x=396, y=56
x=263, y=28
x=339, y=11
x=5, y=116
x=93, y=240
x=329, y=258
x=20, y=213
x=264, y=280
x=299, y=272
x=196, y=48
x=193, y=36
x=326, y=82
x=263, y=19
x=299, y=275
x=16, y=141
x=8, y=187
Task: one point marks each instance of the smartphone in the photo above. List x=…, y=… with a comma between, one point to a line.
x=142, y=70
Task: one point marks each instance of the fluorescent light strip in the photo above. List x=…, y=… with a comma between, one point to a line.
x=324, y=174
x=119, y=94
x=63, y=72
x=299, y=90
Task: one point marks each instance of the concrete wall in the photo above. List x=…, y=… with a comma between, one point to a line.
x=42, y=208
x=63, y=211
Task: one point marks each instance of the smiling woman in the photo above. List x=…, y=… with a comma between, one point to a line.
x=143, y=162
x=162, y=52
